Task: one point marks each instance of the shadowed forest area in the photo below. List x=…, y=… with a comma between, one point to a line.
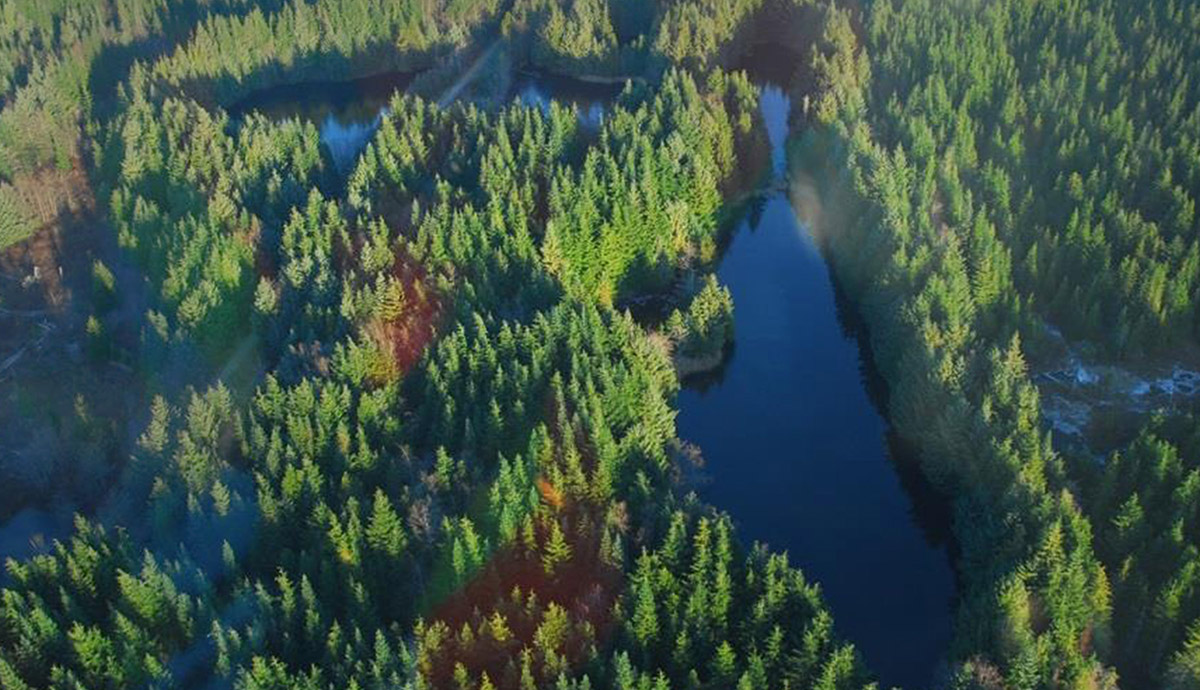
x=342, y=343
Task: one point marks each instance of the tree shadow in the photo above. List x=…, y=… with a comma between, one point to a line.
x=112, y=65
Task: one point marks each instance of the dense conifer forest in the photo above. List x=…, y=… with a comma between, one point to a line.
x=413, y=424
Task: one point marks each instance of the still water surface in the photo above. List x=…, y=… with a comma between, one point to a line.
x=346, y=113
x=797, y=453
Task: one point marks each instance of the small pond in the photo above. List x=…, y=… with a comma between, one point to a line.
x=30, y=532
x=346, y=113
x=795, y=449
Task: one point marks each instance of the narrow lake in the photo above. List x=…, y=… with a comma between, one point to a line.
x=798, y=454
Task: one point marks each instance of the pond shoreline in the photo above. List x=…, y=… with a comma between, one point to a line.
x=910, y=524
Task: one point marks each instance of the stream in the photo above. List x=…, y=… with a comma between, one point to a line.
x=796, y=451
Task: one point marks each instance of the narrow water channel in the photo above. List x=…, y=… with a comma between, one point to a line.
x=797, y=453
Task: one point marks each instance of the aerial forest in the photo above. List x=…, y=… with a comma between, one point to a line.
x=413, y=423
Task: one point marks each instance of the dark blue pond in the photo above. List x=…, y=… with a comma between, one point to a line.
x=590, y=99
x=346, y=113
x=796, y=451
